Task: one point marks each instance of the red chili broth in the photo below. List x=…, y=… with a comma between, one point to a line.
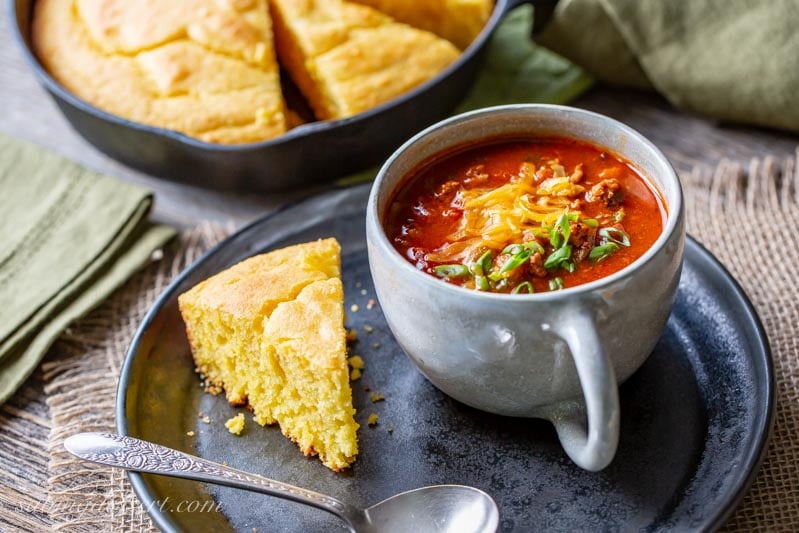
x=416, y=205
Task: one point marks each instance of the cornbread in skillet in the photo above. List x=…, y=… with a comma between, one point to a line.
x=458, y=21
x=347, y=58
x=270, y=332
x=205, y=68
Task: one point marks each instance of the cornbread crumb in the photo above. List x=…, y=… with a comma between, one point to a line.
x=354, y=308
x=190, y=433
x=371, y=303
x=200, y=414
x=356, y=361
x=367, y=388
x=372, y=421
x=352, y=335
x=236, y=424
x=376, y=345
x=355, y=375
x=390, y=429
x=377, y=397
x=368, y=329
x=207, y=419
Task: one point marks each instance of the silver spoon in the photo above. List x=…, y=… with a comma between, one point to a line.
x=445, y=508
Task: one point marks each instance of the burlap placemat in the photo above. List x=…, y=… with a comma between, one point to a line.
x=747, y=216
x=81, y=392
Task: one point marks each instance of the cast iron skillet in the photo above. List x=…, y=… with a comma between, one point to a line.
x=312, y=153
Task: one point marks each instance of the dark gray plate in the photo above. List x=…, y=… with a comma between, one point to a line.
x=695, y=418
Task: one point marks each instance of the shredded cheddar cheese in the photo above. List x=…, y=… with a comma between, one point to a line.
x=493, y=217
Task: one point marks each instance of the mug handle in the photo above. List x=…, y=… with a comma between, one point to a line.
x=592, y=449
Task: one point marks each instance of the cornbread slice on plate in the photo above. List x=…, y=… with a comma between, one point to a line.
x=347, y=58
x=270, y=332
x=458, y=21
x=206, y=68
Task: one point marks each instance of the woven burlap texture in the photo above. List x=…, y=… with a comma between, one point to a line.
x=747, y=216
x=81, y=392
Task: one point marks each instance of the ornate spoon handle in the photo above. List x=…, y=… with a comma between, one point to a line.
x=142, y=456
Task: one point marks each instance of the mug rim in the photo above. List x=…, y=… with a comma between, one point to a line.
x=674, y=210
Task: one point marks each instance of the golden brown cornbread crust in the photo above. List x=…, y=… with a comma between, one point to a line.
x=270, y=332
x=206, y=68
x=347, y=58
x=458, y=21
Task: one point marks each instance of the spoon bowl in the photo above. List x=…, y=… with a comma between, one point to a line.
x=445, y=508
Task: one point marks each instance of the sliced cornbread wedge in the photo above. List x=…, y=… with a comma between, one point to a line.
x=347, y=58
x=458, y=21
x=206, y=68
x=270, y=332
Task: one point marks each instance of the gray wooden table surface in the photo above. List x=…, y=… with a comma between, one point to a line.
x=27, y=112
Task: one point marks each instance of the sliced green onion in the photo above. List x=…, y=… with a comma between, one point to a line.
x=557, y=257
x=618, y=216
x=512, y=249
x=530, y=246
x=526, y=286
x=452, y=271
x=543, y=231
x=555, y=284
x=483, y=265
x=560, y=238
x=481, y=283
x=565, y=228
x=570, y=266
x=495, y=277
x=534, y=246
x=590, y=222
x=501, y=284
x=555, y=238
x=515, y=262
x=603, y=251
x=485, y=261
x=615, y=235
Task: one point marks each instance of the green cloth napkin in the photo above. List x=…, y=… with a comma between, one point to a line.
x=515, y=70
x=735, y=60
x=68, y=238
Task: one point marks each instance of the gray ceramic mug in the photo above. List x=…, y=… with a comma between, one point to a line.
x=557, y=355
